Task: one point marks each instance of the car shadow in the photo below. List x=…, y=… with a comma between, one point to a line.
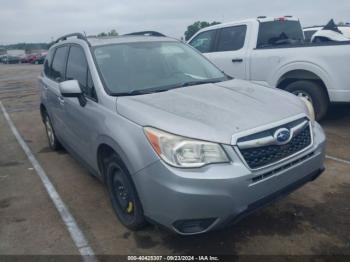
x=337, y=114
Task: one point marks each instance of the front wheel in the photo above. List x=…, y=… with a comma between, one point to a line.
x=125, y=201
x=314, y=93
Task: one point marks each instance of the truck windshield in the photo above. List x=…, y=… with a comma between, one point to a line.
x=148, y=67
x=277, y=32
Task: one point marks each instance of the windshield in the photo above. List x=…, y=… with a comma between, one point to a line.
x=145, y=67
x=280, y=33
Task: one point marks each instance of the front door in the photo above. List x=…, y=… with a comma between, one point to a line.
x=81, y=118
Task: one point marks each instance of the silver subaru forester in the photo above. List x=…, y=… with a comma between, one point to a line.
x=177, y=141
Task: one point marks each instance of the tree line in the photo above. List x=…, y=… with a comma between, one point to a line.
x=191, y=30
x=26, y=46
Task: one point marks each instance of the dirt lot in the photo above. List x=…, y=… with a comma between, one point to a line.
x=313, y=220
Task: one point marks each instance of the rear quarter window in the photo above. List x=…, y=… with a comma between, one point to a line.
x=47, y=63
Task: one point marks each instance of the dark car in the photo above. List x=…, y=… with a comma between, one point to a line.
x=3, y=58
x=11, y=60
x=32, y=58
x=26, y=58
x=39, y=60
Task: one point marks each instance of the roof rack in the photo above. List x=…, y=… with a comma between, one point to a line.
x=77, y=35
x=261, y=17
x=147, y=33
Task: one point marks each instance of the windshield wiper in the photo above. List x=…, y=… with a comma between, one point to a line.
x=140, y=92
x=201, y=82
x=167, y=88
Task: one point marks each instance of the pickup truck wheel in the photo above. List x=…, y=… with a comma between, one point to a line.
x=125, y=201
x=312, y=92
x=50, y=132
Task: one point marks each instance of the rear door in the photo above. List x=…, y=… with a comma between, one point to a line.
x=54, y=73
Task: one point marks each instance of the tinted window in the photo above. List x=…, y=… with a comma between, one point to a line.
x=204, y=41
x=77, y=69
x=58, y=64
x=47, y=63
x=231, y=38
x=280, y=33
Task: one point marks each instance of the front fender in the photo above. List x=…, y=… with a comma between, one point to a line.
x=131, y=145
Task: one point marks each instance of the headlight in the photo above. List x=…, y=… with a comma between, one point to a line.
x=184, y=152
x=309, y=107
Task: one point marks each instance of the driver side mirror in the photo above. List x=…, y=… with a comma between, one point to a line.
x=71, y=88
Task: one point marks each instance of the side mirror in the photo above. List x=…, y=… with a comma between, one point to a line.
x=70, y=88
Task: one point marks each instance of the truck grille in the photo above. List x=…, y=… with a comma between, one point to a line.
x=257, y=157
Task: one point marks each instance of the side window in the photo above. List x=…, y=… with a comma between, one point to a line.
x=77, y=68
x=204, y=41
x=58, y=64
x=47, y=63
x=231, y=38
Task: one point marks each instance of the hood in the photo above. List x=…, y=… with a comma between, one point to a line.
x=211, y=112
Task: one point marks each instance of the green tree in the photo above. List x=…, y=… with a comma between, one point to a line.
x=102, y=34
x=196, y=26
x=113, y=32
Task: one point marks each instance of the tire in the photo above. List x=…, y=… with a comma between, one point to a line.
x=50, y=132
x=314, y=93
x=123, y=194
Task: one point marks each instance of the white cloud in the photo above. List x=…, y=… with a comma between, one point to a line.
x=39, y=20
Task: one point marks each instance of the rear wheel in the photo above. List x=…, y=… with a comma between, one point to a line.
x=125, y=201
x=51, y=136
x=314, y=93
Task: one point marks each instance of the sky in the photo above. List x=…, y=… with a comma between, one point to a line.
x=44, y=20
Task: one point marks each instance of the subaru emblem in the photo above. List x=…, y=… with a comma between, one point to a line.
x=282, y=136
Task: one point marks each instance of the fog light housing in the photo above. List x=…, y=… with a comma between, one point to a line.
x=193, y=226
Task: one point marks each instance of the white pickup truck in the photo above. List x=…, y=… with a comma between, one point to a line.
x=272, y=52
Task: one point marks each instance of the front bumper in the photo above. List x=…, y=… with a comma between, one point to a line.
x=192, y=201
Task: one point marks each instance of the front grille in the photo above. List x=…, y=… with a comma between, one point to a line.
x=262, y=156
x=280, y=169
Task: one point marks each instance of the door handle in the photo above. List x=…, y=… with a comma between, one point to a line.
x=237, y=60
x=60, y=99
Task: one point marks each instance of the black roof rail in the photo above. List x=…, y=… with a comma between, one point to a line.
x=147, y=33
x=261, y=17
x=77, y=35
